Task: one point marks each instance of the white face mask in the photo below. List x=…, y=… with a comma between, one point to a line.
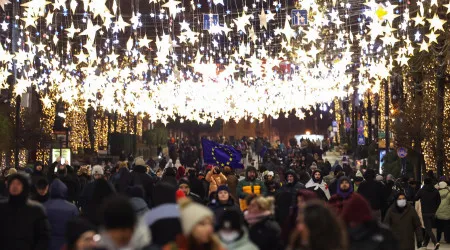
x=401, y=203
x=228, y=236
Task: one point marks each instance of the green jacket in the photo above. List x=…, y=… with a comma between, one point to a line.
x=443, y=212
x=246, y=187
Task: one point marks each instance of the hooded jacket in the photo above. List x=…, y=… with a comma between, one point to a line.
x=247, y=186
x=443, y=212
x=403, y=225
x=337, y=200
x=24, y=224
x=59, y=212
x=318, y=186
x=430, y=199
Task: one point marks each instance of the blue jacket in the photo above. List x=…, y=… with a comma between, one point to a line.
x=59, y=212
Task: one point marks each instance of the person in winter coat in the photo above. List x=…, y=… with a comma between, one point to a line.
x=404, y=223
x=164, y=218
x=315, y=222
x=38, y=173
x=215, y=178
x=23, y=224
x=373, y=191
x=88, y=190
x=121, y=228
x=443, y=213
x=364, y=232
x=250, y=186
x=122, y=179
x=317, y=185
x=232, y=181
x=264, y=231
x=59, y=212
x=430, y=199
x=271, y=185
x=232, y=231
x=286, y=196
x=185, y=186
x=196, y=185
x=139, y=177
x=41, y=193
x=344, y=192
x=197, y=227
x=80, y=234
x=222, y=202
x=101, y=190
x=67, y=175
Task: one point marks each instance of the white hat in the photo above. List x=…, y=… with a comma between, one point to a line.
x=442, y=185
x=379, y=177
x=97, y=169
x=140, y=162
x=191, y=213
x=270, y=173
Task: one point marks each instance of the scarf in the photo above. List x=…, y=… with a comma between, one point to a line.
x=255, y=218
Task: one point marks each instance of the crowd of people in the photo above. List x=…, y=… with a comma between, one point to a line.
x=296, y=201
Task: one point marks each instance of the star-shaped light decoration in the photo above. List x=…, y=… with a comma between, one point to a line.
x=98, y=8
x=29, y=21
x=241, y=22
x=263, y=19
x=4, y=25
x=418, y=20
x=58, y=4
x=143, y=42
x=436, y=23
x=82, y=57
x=184, y=26
x=432, y=37
x=71, y=31
x=288, y=31
x=90, y=31
x=172, y=6
x=3, y=3
x=46, y=101
x=424, y=46
x=121, y=24
x=5, y=56
x=21, y=86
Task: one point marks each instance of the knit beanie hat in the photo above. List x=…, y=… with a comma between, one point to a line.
x=231, y=219
x=97, y=169
x=222, y=188
x=357, y=210
x=118, y=213
x=191, y=213
x=75, y=228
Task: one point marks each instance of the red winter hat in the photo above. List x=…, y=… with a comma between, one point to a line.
x=179, y=194
x=356, y=210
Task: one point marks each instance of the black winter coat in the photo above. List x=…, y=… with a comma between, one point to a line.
x=139, y=177
x=266, y=234
x=430, y=199
x=374, y=192
x=372, y=236
x=24, y=227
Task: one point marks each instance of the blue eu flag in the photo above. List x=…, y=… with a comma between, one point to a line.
x=221, y=155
